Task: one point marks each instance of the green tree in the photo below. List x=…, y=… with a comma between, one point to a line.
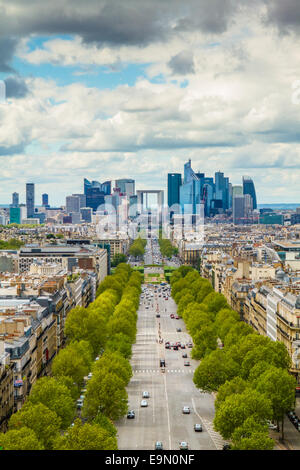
x=40, y=419
x=106, y=394
x=214, y=370
x=118, y=258
x=121, y=343
x=230, y=387
x=205, y=341
x=279, y=386
x=55, y=396
x=252, y=435
x=86, y=437
x=73, y=361
x=20, y=439
x=106, y=424
x=235, y=409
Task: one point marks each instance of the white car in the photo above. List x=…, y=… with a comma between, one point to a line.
x=186, y=410
x=146, y=395
x=144, y=403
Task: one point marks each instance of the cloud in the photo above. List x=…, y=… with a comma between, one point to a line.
x=7, y=48
x=182, y=63
x=284, y=14
x=15, y=87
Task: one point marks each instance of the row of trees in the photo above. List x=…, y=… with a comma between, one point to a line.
x=11, y=244
x=166, y=248
x=137, y=248
x=107, y=329
x=249, y=372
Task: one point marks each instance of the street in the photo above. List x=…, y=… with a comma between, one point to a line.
x=163, y=419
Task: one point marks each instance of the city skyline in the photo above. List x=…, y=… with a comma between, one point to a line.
x=89, y=96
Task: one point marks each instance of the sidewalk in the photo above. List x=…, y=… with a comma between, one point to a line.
x=291, y=435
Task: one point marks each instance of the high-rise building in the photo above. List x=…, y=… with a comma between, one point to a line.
x=82, y=199
x=242, y=209
x=237, y=190
x=86, y=214
x=95, y=193
x=15, y=199
x=72, y=204
x=174, y=183
x=249, y=188
x=126, y=186
x=30, y=199
x=45, y=200
x=190, y=191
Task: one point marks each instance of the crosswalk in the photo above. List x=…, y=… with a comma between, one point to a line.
x=170, y=371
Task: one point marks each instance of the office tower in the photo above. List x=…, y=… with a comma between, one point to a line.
x=126, y=186
x=75, y=217
x=222, y=189
x=242, y=209
x=82, y=199
x=95, y=193
x=190, y=191
x=249, y=188
x=174, y=183
x=17, y=214
x=15, y=199
x=86, y=214
x=133, y=200
x=72, y=204
x=237, y=190
x=45, y=199
x=30, y=199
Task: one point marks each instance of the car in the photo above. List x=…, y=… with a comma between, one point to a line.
x=146, y=395
x=162, y=363
x=183, y=445
x=187, y=363
x=186, y=410
x=178, y=330
x=79, y=403
x=144, y=403
x=189, y=345
x=177, y=317
x=226, y=447
x=167, y=346
x=157, y=315
x=272, y=425
x=198, y=427
x=158, y=445
x=175, y=347
x=184, y=355
x=182, y=346
x=172, y=315
x=131, y=414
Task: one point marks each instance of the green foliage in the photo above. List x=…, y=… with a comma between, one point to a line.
x=20, y=439
x=40, y=419
x=230, y=387
x=86, y=437
x=118, y=258
x=214, y=370
x=252, y=435
x=137, y=248
x=235, y=409
x=54, y=395
x=11, y=244
x=73, y=361
x=166, y=248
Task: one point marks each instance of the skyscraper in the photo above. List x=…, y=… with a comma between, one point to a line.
x=45, y=199
x=190, y=191
x=174, y=183
x=15, y=199
x=126, y=186
x=72, y=204
x=30, y=199
x=249, y=188
x=95, y=193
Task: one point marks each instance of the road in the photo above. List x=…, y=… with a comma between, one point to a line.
x=163, y=419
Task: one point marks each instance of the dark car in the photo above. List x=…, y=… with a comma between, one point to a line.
x=167, y=346
x=184, y=355
x=162, y=363
x=157, y=315
x=131, y=414
x=226, y=447
x=187, y=363
x=158, y=445
x=178, y=330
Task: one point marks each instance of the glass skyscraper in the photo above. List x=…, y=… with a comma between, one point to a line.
x=95, y=193
x=249, y=188
x=30, y=199
x=174, y=183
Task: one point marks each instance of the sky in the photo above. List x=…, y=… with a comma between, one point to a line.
x=108, y=89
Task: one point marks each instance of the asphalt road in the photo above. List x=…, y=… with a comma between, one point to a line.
x=163, y=419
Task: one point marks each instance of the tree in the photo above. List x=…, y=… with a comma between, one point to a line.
x=235, y=409
x=121, y=343
x=205, y=341
x=40, y=419
x=214, y=370
x=20, y=439
x=55, y=396
x=274, y=353
x=235, y=333
x=279, y=386
x=252, y=435
x=114, y=362
x=230, y=387
x=106, y=424
x=106, y=394
x=205, y=289
x=86, y=437
x=73, y=361
x=118, y=258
